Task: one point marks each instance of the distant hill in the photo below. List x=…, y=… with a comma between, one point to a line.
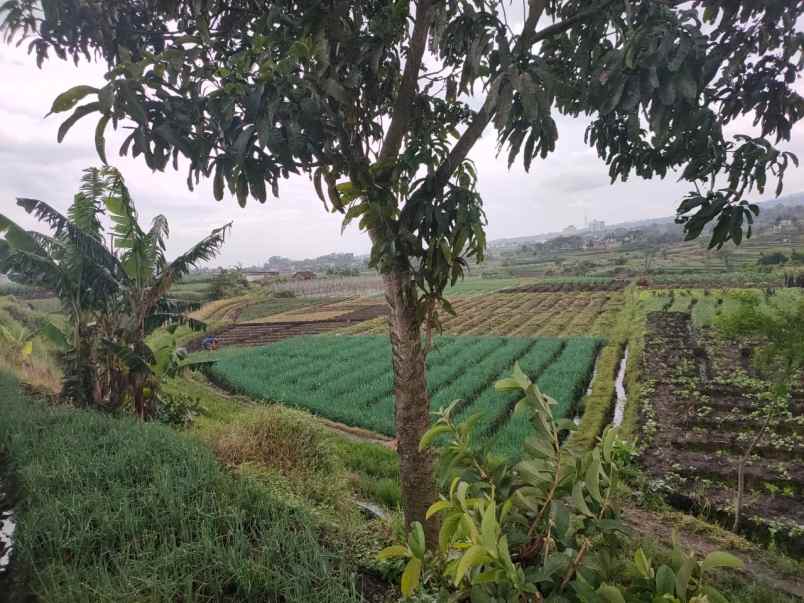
x=785, y=201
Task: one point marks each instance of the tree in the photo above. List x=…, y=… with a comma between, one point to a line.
x=113, y=297
x=381, y=102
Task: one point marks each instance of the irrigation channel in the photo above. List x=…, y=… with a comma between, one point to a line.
x=619, y=388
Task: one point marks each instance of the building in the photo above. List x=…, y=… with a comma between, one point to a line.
x=253, y=276
x=569, y=230
x=596, y=225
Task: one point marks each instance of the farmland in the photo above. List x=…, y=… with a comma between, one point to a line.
x=525, y=314
x=314, y=373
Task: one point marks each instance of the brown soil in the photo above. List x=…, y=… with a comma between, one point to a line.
x=255, y=334
x=614, y=285
x=356, y=433
x=703, y=426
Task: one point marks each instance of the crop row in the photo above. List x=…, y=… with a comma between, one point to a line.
x=564, y=380
x=319, y=374
x=525, y=315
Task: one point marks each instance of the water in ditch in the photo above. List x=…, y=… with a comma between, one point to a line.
x=619, y=388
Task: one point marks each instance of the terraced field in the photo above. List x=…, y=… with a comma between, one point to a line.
x=280, y=318
x=319, y=374
x=699, y=419
x=525, y=315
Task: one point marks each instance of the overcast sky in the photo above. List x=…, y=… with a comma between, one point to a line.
x=568, y=187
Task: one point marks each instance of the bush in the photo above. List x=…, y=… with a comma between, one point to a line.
x=228, y=283
x=288, y=442
x=772, y=259
x=114, y=510
x=285, y=293
x=544, y=530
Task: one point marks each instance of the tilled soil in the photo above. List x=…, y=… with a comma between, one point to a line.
x=256, y=334
x=698, y=425
x=614, y=285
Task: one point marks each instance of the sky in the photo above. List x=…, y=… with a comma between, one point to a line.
x=568, y=187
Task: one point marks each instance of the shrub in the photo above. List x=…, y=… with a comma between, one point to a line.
x=288, y=442
x=228, y=283
x=772, y=259
x=544, y=529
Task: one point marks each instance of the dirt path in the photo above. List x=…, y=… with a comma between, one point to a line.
x=659, y=527
x=347, y=431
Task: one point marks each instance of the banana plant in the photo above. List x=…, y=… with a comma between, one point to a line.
x=17, y=343
x=114, y=295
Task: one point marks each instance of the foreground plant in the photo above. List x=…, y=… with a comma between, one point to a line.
x=544, y=529
x=113, y=297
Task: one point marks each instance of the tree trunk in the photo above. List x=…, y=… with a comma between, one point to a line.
x=412, y=402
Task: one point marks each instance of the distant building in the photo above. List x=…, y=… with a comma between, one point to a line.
x=596, y=225
x=304, y=275
x=569, y=230
x=253, y=276
x=783, y=225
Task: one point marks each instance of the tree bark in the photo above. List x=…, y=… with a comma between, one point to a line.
x=412, y=402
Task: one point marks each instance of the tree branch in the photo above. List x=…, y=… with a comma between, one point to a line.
x=483, y=116
x=403, y=107
x=562, y=26
x=528, y=38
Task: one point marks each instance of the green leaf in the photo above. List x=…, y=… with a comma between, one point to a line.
x=432, y=433
x=392, y=552
x=67, y=100
x=437, y=507
x=416, y=540
x=578, y=499
x=610, y=594
x=447, y=531
x=54, y=334
x=683, y=577
x=411, y=576
x=80, y=112
x=100, y=141
x=474, y=555
x=134, y=106
x=488, y=528
x=665, y=580
x=714, y=595
x=593, y=479
x=717, y=559
x=643, y=564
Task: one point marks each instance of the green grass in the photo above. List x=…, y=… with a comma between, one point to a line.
x=113, y=510
x=349, y=379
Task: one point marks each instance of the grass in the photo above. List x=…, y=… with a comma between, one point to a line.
x=113, y=510
x=371, y=469
x=318, y=374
